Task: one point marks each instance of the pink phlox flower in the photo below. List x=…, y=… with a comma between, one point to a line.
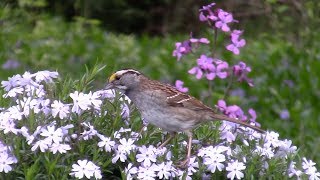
x=223, y=19
x=182, y=49
x=293, y=171
x=236, y=43
x=186, y=46
x=179, y=86
x=221, y=68
x=207, y=14
x=197, y=71
x=201, y=40
x=241, y=70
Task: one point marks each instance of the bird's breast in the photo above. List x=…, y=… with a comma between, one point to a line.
x=155, y=110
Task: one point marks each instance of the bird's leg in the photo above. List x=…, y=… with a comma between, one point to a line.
x=185, y=163
x=142, y=129
x=172, y=135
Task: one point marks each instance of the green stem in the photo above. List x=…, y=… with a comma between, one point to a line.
x=227, y=92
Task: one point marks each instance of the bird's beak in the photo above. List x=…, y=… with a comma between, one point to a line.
x=109, y=86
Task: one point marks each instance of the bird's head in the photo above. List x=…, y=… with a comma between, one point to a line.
x=124, y=79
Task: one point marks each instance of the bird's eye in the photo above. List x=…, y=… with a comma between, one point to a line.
x=117, y=77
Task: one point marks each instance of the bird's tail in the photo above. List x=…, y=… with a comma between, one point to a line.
x=226, y=118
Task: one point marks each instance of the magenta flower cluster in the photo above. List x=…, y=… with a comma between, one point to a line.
x=208, y=66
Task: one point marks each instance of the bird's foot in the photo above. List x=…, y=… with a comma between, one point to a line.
x=183, y=164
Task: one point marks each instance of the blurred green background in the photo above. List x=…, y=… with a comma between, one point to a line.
x=282, y=36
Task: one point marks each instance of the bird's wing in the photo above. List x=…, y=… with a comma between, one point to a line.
x=176, y=98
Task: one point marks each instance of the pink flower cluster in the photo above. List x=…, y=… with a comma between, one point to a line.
x=210, y=68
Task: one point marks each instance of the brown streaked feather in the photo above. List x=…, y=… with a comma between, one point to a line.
x=176, y=98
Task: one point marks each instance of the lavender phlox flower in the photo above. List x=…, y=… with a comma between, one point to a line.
x=23, y=131
x=266, y=151
x=107, y=94
x=14, y=92
x=11, y=64
x=250, y=133
x=126, y=145
x=293, y=171
x=8, y=125
x=285, y=114
x=309, y=168
x=52, y=135
x=313, y=173
x=226, y=132
x=241, y=70
x=41, y=105
x=81, y=102
x=46, y=76
x=147, y=173
x=90, y=133
x=11, y=83
x=42, y=144
x=158, y=151
x=123, y=149
x=271, y=139
x=6, y=161
x=146, y=155
x=165, y=170
x=213, y=157
x=59, y=147
x=235, y=170
x=130, y=171
x=25, y=105
x=85, y=168
x=307, y=164
x=124, y=130
x=34, y=91
x=27, y=79
x=180, y=87
x=192, y=168
x=119, y=154
x=286, y=148
x=106, y=143
x=125, y=111
x=58, y=108
x=94, y=100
